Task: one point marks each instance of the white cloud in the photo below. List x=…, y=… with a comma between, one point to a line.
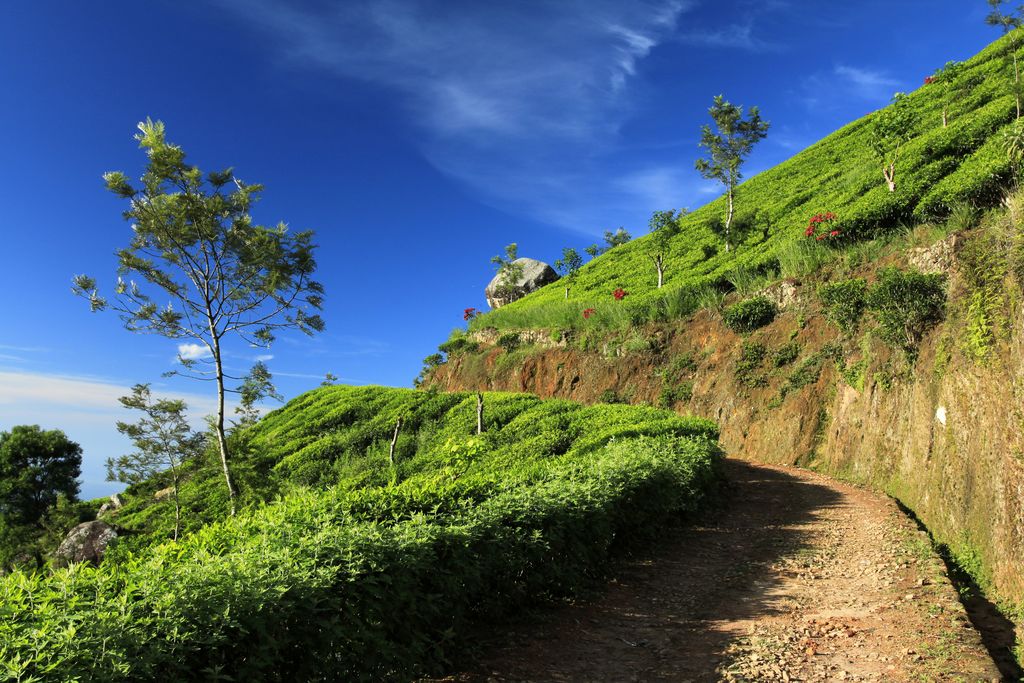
x=735, y=36
x=193, y=351
x=263, y=357
x=520, y=101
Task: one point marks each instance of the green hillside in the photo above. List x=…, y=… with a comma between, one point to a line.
x=360, y=569
x=938, y=170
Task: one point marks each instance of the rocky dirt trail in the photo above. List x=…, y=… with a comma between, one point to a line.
x=797, y=578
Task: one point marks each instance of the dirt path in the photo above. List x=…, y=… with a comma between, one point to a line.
x=799, y=578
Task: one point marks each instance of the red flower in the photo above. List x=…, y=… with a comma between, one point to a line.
x=620, y=294
x=588, y=312
x=469, y=314
x=928, y=80
x=834, y=233
x=824, y=221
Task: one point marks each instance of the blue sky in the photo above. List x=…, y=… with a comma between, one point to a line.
x=415, y=137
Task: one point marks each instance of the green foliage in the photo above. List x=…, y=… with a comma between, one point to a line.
x=786, y=354
x=939, y=169
x=676, y=387
x=458, y=343
x=510, y=271
x=844, y=302
x=510, y=342
x=906, y=304
x=748, y=367
x=568, y=266
x=984, y=267
x=664, y=225
x=36, y=466
x=615, y=239
x=367, y=581
x=611, y=397
x=749, y=315
x=891, y=129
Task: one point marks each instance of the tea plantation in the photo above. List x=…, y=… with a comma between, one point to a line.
x=366, y=564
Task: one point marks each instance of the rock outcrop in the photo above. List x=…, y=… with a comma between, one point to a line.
x=85, y=543
x=535, y=275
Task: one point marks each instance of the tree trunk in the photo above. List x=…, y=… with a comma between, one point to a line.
x=661, y=272
x=479, y=413
x=222, y=441
x=177, y=504
x=890, y=176
x=945, y=120
x=728, y=219
x=394, y=440
x=567, y=293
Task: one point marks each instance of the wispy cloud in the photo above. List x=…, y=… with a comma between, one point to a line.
x=820, y=90
x=867, y=83
x=263, y=357
x=520, y=101
x=735, y=36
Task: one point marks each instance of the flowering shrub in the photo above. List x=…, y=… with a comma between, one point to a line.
x=588, y=312
x=469, y=314
x=822, y=226
x=620, y=294
x=928, y=80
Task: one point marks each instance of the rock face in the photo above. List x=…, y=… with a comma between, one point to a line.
x=535, y=275
x=85, y=543
x=110, y=507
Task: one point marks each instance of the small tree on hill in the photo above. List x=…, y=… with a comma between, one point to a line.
x=951, y=79
x=664, y=226
x=222, y=277
x=891, y=128
x=509, y=272
x=728, y=144
x=1009, y=22
x=593, y=251
x=569, y=265
x=616, y=239
x=163, y=440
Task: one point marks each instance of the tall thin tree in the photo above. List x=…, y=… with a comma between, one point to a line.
x=1009, y=22
x=728, y=144
x=222, y=276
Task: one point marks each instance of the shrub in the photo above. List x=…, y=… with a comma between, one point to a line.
x=752, y=356
x=747, y=316
x=786, y=354
x=678, y=393
x=610, y=396
x=844, y=302
x=509, y=341
x=906, y=304
x=458, y=344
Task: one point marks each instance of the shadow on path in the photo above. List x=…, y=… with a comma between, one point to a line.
x=670, y=613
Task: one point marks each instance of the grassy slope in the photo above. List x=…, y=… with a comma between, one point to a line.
x=938, y=169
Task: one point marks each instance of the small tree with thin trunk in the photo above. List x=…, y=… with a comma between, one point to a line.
x=891, y=129
x=664, y=226
x=163, y=440
x=951, y=79
x=569, y=265
x=1009, y=22
x=616, y=239
x=728, y=144
x=509, y=272
x=222, y=277
x=593, y=251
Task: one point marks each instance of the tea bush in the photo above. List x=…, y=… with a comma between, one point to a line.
x=844, y=302
x=906, y=304
x=749, y=315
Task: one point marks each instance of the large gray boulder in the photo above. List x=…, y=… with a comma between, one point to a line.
x=535, y=275
x=85, y=543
